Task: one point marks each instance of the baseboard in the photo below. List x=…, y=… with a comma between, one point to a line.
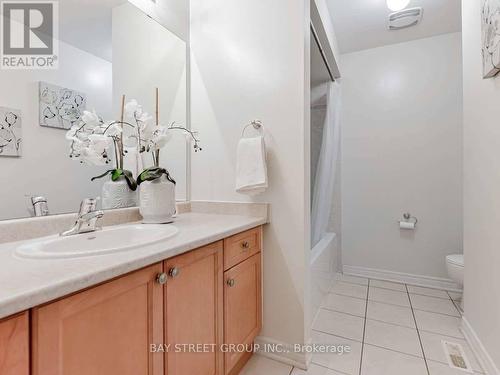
x=478, y=348
x=308, y=355
x=407, y=278
x=285, y=355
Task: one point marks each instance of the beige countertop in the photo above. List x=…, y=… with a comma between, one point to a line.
x=25, y=283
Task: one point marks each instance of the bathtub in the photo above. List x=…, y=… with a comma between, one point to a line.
x=323, y=269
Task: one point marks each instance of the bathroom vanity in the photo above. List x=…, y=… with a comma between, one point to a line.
x=180, y=314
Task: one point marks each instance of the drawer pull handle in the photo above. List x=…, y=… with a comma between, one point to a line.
x=161, y=278
x=174, y=272
x=231, y=283
x=245, y=245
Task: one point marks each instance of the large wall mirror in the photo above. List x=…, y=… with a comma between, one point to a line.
x=107, y=49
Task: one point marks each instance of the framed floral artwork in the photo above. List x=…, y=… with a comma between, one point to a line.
x=490, y=15
x=10, y=132
x=60, y=107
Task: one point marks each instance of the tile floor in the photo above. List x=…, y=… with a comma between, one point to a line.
x=391, y=328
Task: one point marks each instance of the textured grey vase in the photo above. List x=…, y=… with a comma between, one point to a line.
x=117, y=194
x=157, y=201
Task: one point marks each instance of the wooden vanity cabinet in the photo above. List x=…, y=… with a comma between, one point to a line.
x=192, y=303
x=193, y=312
x=14, y=345
x=105, y=330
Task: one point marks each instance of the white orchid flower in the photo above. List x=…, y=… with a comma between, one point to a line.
x=71, y=134
x=77, y=146
x=161, y=141
x=99, y=142
x=91, y=119
x=92, y=140
x=130, y=140
x=161, y=136
x=131, y=107
x=113, y=130
x=92, y=156
x=144, y=117
x=134, y=110
x=146, y=129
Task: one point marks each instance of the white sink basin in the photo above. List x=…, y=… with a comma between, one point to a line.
x=106, y=241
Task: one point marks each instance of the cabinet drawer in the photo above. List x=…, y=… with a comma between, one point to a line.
x=241, y=246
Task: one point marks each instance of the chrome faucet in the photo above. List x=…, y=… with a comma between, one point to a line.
x=87, y=218
x=39, y=206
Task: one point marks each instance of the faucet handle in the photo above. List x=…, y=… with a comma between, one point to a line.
x=88, y=205
x=87, y=218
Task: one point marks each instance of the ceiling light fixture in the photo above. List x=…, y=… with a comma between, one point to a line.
x=396, y=5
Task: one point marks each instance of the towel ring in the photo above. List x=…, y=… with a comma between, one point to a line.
x=257, y=125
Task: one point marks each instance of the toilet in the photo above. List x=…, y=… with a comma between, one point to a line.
x=455, y=267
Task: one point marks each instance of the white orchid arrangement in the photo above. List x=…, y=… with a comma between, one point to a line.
x=151, y=138
x=93, y=141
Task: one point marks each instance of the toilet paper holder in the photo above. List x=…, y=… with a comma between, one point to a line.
x=408, y=218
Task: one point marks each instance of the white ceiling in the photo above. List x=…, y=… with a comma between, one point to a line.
x=362, y=24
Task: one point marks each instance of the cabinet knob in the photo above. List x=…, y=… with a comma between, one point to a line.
x=245, y=245
x=161, y=278
x=231, y=283
x=174, y=272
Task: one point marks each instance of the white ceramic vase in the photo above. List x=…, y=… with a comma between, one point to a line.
x=157, y=201
x=117, y=194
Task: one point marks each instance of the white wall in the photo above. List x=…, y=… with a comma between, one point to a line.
x=481, y=187
x=401, y=151
x=249, y=60
x=45, y=167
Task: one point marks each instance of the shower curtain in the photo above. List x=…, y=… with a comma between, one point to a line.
x=324, y=183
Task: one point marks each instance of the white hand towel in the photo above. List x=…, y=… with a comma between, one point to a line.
x=251, y=168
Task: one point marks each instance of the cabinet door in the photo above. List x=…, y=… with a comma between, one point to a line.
x=106, y=330
x=193, y=305
x=14, y=345
x=242, y=308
